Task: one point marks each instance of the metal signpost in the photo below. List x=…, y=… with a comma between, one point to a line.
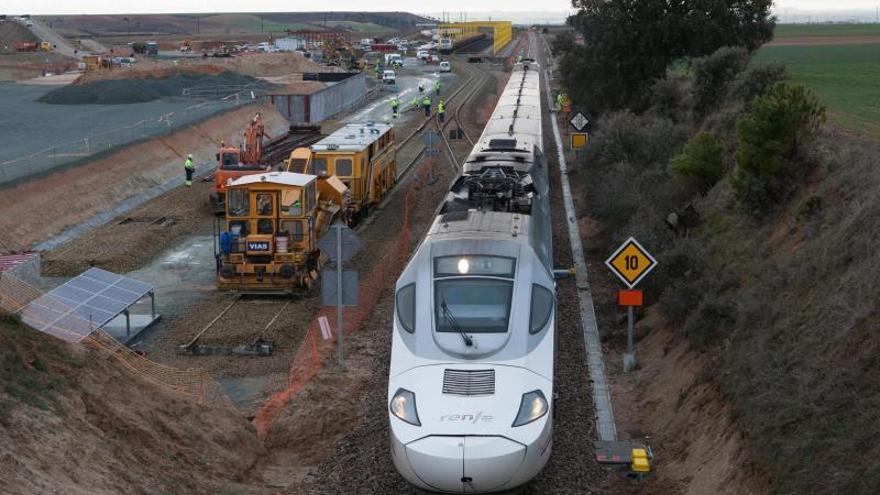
x=340, y=248
x=631, y=262
x=430, y=138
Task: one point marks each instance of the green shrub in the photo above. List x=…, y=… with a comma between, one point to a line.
x=643, y=141
x=701, y=163
x=668, y=97
x=767, y=164
x=756, y=80
x=713, y=74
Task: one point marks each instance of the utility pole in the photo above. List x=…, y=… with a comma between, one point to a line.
x=340, y=327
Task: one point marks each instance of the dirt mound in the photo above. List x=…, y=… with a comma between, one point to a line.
x=72, y=418
x=119, y=92
x=254, y=65
x=10, y=33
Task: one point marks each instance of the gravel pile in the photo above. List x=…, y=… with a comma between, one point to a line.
x=123, y=91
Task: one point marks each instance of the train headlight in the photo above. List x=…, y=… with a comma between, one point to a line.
x=403, y=405
x=533, y=407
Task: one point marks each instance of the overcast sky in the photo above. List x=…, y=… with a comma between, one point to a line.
x=153, y=6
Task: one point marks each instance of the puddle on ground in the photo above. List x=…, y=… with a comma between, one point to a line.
x=247, y=392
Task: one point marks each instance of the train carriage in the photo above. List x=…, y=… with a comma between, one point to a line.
x=470, y=391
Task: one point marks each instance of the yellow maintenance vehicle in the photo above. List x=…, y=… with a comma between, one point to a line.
x=364, y=158
x=268, y=239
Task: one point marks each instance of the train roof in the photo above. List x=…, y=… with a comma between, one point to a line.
x=515, y=124
x=280, y=178
x=353, y=137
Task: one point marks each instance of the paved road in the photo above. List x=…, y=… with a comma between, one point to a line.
x=46, y=33
x=408, y=80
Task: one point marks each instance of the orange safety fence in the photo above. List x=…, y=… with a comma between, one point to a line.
x=313, y=351
x=16, y=294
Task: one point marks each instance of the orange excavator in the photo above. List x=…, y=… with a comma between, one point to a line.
x=257, y=154
x=235, y=162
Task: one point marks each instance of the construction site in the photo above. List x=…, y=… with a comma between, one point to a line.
x=368, y=252
x=242, y=365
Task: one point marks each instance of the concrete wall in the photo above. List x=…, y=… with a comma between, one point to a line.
x=320, y=105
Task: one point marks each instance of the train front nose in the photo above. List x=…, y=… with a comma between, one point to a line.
x=465, y=464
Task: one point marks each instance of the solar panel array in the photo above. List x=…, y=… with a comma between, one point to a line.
x=76, y=308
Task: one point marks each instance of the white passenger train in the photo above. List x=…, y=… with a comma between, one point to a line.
x=471, y=382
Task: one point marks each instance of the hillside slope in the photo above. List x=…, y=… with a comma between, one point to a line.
x=770, y=317
x=72, y=421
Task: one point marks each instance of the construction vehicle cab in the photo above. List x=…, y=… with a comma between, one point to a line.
x=267, y=241
x=363, y=157
x=237, y=161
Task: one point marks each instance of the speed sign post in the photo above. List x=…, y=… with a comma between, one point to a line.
x=630, y=262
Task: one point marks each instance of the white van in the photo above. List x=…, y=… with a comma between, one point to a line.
x=445, y=66
x=392, y=59
x=389, y=77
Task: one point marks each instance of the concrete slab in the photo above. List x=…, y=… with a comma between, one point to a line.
x=180, y=277
x=137, y=324
x=53, y=80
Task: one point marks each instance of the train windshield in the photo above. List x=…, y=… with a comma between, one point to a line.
x=472, y=305
x=473, y=294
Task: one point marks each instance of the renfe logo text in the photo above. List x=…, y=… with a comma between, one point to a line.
x=466, y=417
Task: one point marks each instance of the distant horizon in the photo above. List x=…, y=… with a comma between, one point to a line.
x=785, y=14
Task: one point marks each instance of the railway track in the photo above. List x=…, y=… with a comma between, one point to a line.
x=475, y=79
x=463, y=94
x=481, y=77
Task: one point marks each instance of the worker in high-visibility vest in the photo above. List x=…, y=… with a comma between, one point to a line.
x=415, y=103
x=426, y=104
x=394, y=105
x=558, y=102
x=188, y=169
x=437, y=87
x=441, y=112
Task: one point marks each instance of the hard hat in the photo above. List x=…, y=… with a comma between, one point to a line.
x=189, y=155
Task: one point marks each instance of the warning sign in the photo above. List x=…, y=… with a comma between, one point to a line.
x=578, y=140
x=631, y=262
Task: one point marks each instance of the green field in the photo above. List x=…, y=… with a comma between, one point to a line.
x=844, y=76
x=784, y=31
x=360, y=26
x=251, y=23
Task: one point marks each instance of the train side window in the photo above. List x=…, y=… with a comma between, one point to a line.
x=343, y=167
x=264, y=226
x=542, y=307
x=298, y=165
x=264, y=204
x=294, y=228
x=320, y=166
x=291, y=203
x=238, y=203
x=406, y=307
